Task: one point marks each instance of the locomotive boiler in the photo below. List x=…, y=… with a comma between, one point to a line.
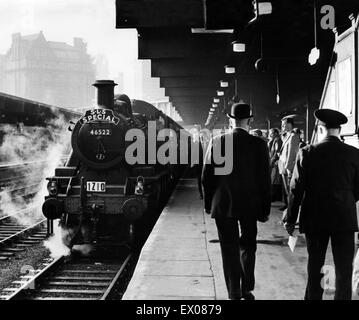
x=98, y=196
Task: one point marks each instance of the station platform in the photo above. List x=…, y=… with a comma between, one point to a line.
x=181, y=259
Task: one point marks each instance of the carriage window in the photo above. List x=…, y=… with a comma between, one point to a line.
x=345, y=86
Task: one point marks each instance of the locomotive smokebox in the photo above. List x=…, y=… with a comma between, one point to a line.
x=105, y=93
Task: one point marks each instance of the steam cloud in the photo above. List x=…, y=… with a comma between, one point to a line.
x=55, y=245
x=49, y=145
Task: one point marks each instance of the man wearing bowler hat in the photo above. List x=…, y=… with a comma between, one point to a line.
x=240, y=197
x=325, y=184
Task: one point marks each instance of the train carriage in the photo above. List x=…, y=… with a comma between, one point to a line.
x=341, y=89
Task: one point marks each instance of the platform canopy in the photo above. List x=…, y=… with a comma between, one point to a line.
x=189, y=43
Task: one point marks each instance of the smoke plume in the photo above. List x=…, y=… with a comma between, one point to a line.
x=55, y=244
x=44, y=148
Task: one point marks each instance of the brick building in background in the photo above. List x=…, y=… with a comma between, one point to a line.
x=47, y=71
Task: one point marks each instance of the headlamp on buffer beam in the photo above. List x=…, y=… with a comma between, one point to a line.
x=52, y=188
x=139, y=188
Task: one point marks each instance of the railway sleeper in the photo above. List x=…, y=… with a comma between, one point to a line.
x=13, y=249
x=27, y=241
x=108, y=272
x=69, y=278
x=61, y=298
x=7, y=228
x=23, y=245
x=77, y=284
x=6, y=254
x=70, y=291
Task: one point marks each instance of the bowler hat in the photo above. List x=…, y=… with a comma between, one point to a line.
x=240, y=111
x=330, y=118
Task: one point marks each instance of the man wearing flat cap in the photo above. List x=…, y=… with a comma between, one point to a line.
x=238, y=199
x=325, y=184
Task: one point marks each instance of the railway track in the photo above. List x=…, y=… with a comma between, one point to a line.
x=14, y=174
x=21, y=181
x=15, y=237
x=80, y=279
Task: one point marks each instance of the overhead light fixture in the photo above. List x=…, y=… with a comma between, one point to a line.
x=203, y=30
x=264, y=8
x=229, y=69
x=261, y=8
x=277, y=85
x=214, y=105
x=212, y=109
x=314, y=56
x=220, y=93
x=315, y=52
x=216, y=100
x=238, y=47
x=223, y=84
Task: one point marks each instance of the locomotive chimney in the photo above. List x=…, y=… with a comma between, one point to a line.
x=105, y=93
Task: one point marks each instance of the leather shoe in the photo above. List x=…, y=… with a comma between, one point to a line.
x=248, y=296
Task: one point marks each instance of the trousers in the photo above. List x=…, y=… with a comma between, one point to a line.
x=285, y=184
x=343, y=248
x=238, y=249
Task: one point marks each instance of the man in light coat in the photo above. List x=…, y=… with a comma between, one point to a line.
x=287, y=154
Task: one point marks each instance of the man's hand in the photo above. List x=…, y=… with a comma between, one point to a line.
x=289, y=173
x=289, y=227
x=263, y=219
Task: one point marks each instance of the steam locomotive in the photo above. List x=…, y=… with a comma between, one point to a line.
x=99, y=197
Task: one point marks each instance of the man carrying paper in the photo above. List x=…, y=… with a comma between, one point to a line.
x=325, y=184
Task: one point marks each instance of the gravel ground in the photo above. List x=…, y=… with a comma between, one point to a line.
x=20, y=264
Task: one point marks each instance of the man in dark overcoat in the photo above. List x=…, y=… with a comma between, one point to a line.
x=325, y=184
x=241, y=197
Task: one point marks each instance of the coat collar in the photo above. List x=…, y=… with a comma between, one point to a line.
x=288, y=134
x=240, y=130
x=331, y=139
